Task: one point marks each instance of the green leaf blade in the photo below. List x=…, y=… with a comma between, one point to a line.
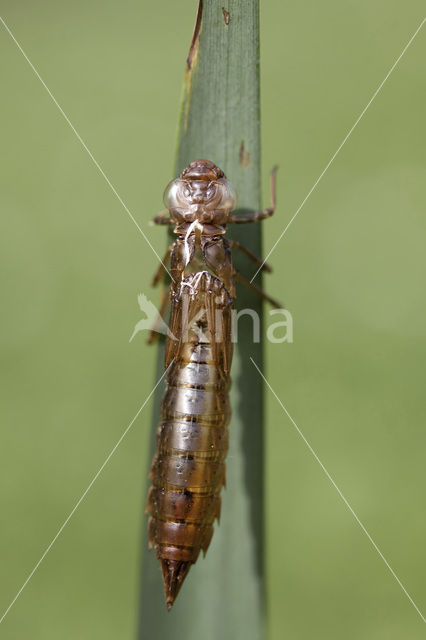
x=223, y=595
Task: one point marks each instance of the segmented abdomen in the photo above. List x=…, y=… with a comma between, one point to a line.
x=188, y=470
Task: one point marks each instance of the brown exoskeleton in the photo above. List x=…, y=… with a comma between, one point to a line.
x=188, y=469
x=199, y=205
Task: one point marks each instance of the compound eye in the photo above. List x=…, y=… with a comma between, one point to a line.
x=229, y=195
x=174, y=193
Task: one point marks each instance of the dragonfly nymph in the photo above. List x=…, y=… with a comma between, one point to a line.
x=188, y=470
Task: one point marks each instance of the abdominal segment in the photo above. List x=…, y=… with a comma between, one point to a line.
x=188, y=470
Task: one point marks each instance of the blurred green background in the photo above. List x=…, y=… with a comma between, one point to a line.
x=351, y=269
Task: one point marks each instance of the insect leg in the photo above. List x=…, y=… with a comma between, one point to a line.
x=237, y=245
x=162, y=268
x=163, y=218
x=259, y=215
x=258, y=290
x=153, y=334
